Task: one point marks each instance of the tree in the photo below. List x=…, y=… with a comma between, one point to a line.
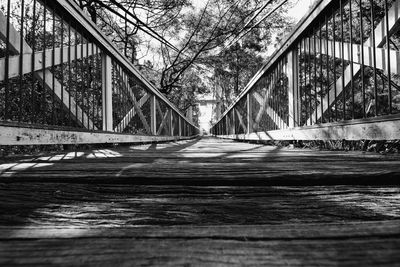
x=203, y=37
x=120, y=20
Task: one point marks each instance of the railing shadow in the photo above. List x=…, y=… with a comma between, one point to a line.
x=138, y=187
x=135, y=200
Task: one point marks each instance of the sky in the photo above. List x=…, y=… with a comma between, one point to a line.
x=300, y=8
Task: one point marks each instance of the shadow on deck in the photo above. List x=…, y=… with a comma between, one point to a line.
x=205, y=202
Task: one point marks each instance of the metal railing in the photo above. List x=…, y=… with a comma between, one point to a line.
x=61, y=78
x=335, y=77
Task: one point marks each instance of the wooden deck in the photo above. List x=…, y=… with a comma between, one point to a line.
x=203, y=202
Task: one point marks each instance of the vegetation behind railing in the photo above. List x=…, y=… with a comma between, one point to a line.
x=335, y=77
x=59, y=72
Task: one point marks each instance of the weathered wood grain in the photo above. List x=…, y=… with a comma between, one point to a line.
x=208, y=162
x=287, y=231
x=118, y=206
x=125, y=205
x=202, y=252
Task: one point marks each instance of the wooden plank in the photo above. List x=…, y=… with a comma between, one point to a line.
x=350, y=229
x=19, y=135
x=364, y=129
x=374, y=251
x=207, y=201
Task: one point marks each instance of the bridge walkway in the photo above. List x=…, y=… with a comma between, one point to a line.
x=202, y=201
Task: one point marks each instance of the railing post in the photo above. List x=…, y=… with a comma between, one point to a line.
x=153, y=114
x=190, y=113
x=292, y=74
x=234, y=120
x=180, y=126
x=227, y=124
x=249, y=114
x=233, y=124
x=171, y=126
x=107, y=92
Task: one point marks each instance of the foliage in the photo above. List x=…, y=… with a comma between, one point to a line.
x=204, y=62
x=203, y=58
x=315, y=77
x=207, y=43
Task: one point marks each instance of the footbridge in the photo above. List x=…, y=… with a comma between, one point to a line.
x=123, y=178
